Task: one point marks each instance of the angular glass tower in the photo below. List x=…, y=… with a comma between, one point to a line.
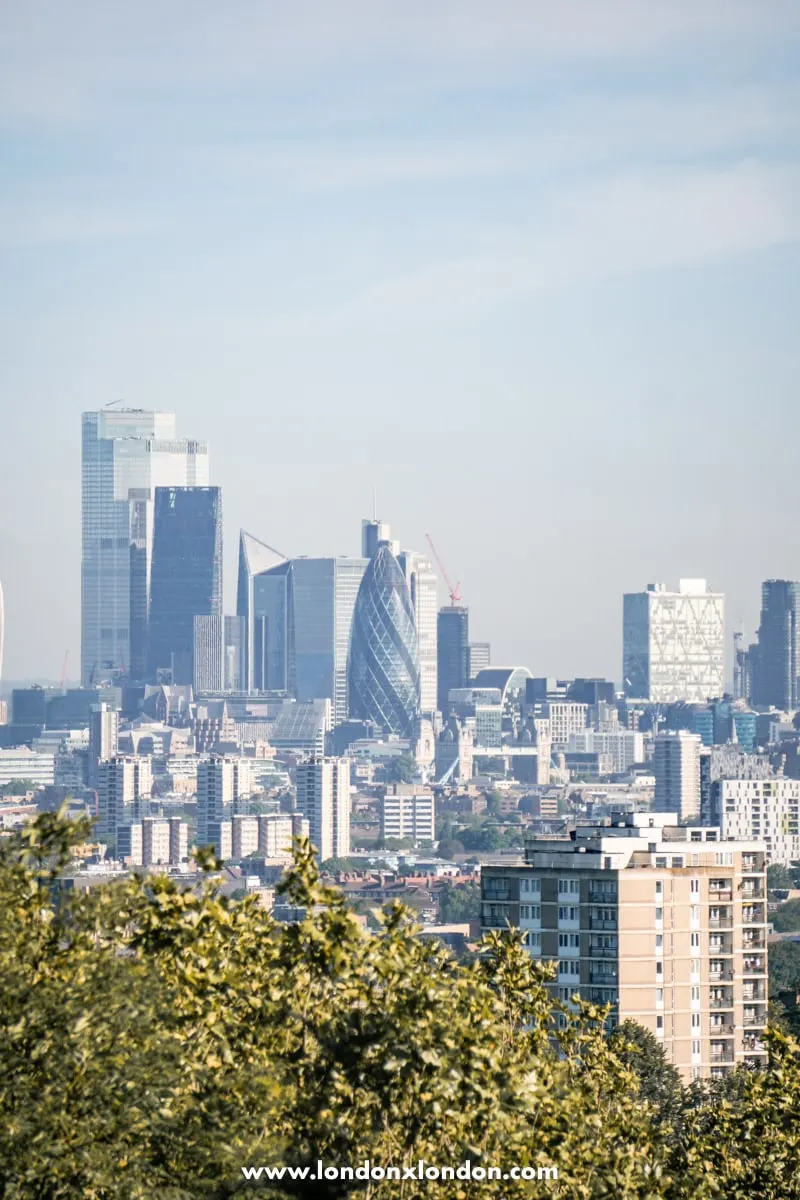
x=186, y=578
x=126, y=454
x=383, y=668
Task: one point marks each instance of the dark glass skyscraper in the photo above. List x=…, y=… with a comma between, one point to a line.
x=777, y=659
x=383, y=667
x=452, y=653
x=186, y=576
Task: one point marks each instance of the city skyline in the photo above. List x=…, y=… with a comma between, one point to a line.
x=515, y=272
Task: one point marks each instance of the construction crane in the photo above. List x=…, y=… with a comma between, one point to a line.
x=455, y=594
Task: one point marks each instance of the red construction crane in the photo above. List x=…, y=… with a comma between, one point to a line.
x=455, y=594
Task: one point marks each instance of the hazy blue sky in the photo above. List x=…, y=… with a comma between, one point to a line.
x=532, y=268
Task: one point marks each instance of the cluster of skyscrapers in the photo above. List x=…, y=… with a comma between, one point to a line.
x=361, y=632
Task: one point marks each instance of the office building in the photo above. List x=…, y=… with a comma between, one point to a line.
x=674, y=643
x=423, y=585
x=664, y=923
x=767, y=810
x=186, y=577
x=22, y=764
x=383, y=666
x=123, y=793
x=218, y=656
x=255, y=558
x=624, y=747
x=677, y=771
x=223, y=783
x=103, y=739
x=408, y=813
x=373, y=532
x=126, y=455
x=479, y=658
x=3, y=712
x=566, y=718
x=323, y=798
x=452, y=653
x=777, y=658
x=322, y=600
x=302, y=614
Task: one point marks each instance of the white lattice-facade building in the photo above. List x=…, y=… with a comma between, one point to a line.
x=674, y=643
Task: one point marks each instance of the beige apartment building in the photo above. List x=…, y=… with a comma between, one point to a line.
x=666, y=923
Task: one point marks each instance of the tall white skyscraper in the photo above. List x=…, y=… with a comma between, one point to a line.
x=677, y=772
x=323, y=797
x=423, y=585
x=674, y=643
x=126, y=455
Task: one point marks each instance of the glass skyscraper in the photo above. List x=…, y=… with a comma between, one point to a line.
x=674, y=643
x=423, y=585
x=186, y=575
x=453, y=653
x=383, y=667
x=777, y=657
x=126, y=454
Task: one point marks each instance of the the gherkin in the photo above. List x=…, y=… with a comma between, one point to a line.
x=383, y=668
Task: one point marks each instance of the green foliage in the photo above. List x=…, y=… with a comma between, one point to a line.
x=153, y=1041
x=402, y=769
x=450, y=847
x=784, y=967
x=17, y=787
x=780, y=877
x=659, y=1082
x=460, y=903
x=786, y=918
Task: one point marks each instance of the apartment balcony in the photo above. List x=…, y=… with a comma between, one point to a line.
x=753, y=1045
x=500, y=895
x=602, y=978
x=600, y=923
x=754, y=964
x=726, y=1003
x=723, y=1030
x=753, y=864
x=753, y=914
x=721, y=1052
x=720, y=947
x=494, y=921
x=754, y=941
x=721, y=889
x=603, y=952
x=720, y=974
x=753, y=995
x=752, y=891
x=600, y=897
x=720, y=922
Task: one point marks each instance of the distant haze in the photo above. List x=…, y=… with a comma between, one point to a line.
x=529, y=269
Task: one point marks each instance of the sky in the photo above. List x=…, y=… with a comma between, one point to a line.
x=528, y=268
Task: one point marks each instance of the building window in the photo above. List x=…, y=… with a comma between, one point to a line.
x=695, y=993
x=695, y=1020
x=695, y=941
x=569, y=941
x=566, y=913
x=659, y=887
x=660, y=1022
x=659, y=995
x=659, y=914
x=659, y=941
x=694, y=886
x=696, y=1049
x=569, y=887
